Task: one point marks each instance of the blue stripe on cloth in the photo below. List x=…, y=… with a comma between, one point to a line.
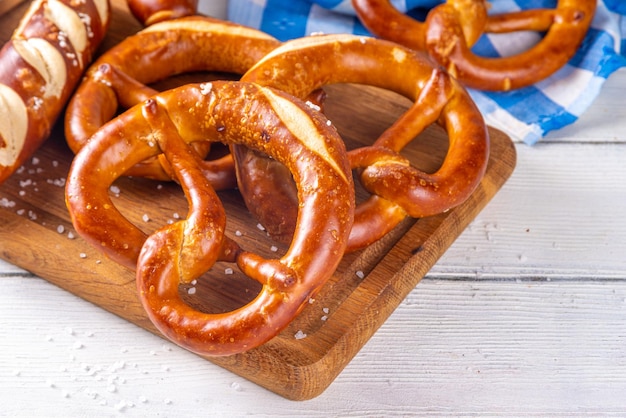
x=526, y=114
x=285, y=19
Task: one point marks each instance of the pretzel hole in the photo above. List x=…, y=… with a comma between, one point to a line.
x=506, y=44
x=192, y=77
x=357, y=129
x=223, y=288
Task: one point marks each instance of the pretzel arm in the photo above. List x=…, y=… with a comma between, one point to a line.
x=538, y=20
x=424, y=112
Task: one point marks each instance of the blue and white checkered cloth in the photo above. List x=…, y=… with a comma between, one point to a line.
x=525, y=114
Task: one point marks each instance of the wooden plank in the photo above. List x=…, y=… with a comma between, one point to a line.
x=451, y=348
x=551, y=220
x=34, y=228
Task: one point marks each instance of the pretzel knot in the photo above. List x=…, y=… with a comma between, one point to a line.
x=301, y=66
x=122, y=75
x=277, y=125
x=451, y=29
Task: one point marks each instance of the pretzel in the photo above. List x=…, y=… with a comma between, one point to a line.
x=39, y=68
x=399, y=190
x=382, y=19
x=149, y=12
x=444, y=35
x=120, y=78
x=275, y=124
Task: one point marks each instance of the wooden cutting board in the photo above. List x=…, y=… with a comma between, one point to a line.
x=37, y=235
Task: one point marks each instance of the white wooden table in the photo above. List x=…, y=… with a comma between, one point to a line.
x=525, y=314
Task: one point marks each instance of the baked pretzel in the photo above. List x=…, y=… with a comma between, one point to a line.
x=120, y=78
x=445, y=36
x=149, y=12
x=303, y=65
x=39, y=68
x=382, y=19
x=275, y=124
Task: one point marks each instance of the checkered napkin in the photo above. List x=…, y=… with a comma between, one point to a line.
x=525, y=114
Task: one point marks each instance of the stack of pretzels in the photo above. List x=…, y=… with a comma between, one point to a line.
x=289, y=163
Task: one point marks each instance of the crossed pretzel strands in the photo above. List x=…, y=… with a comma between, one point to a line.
x=398, y=189
x=119, y=78
x=277, y=125
x=450, y=30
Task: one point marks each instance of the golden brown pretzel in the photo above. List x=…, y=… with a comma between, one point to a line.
x=303, y=65
x=149, y=12
x=39, y=68
x=444, y=35
x=385, y=21
x=275, y=124
x=120, y=77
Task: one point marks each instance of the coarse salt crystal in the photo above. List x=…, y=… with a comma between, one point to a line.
x=228, y=270
x=205, y=88
x=360, y=274
x=191, y=291
x=60, y=229
x=260, y=227
x=83, y=255
x=145, y=217
x=6, y=203
x=299, y=335
x=313, y=105
x=273, y=248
